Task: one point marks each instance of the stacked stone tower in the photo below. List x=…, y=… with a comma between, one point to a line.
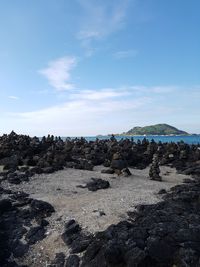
x=154, y=172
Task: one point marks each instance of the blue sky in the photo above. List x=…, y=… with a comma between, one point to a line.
x=87, y=67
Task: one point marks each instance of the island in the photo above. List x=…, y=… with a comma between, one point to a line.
x=157, y=129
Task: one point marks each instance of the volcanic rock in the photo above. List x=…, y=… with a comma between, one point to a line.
x=97, y=184
x=163, y=234
x=75, y=238
x=41, y=208
x=154, y=172
x=72, y=261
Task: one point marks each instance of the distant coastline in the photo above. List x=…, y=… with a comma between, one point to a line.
x=145, y=135
x=153, y=135
x=161, y=129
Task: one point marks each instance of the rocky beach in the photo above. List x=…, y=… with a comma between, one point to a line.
x=98, y=203
x=100, y=133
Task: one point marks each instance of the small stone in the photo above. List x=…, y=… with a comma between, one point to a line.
x=162, y=191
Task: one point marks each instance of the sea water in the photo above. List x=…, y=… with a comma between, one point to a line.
x=192, y=139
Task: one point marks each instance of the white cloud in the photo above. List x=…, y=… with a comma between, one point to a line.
x=99, y=95
x=58, y=73
x=13, y=97
x=91, y=112
x=125, y=54
x=100, y=19
x=86, y=113
x=122, y=92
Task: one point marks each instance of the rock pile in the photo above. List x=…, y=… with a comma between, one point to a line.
x=154, y=172
x=119, y=165
x=161, y=235
x=22, y=156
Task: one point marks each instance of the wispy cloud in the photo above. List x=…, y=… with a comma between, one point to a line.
x=87, y=112
x=13, y=97
x=164, y=89
x=106, y=110
x=58, y=73
x=125, y=54
x=154, y=89
x=107, y=93
x=100, y=19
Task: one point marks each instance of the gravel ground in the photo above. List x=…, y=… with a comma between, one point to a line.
x=86, y=207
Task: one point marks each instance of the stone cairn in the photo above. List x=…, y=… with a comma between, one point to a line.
x=119, y=165
x=154, y=172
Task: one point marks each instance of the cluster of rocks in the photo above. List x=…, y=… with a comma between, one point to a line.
x=22, y=224
x=154, y=172
x=22, y=156
x=118, y=166
x=160, y=235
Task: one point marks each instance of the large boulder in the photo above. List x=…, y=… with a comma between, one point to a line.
x=41, y=208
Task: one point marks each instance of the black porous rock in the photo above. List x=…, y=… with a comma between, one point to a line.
x=96, y=184
x=118, y=163
x=113, y=254
x=72, y=261
x=16, y=231
x=5, y=205
x=154, y=171
x=13, y=178
x=41, y=208
x=165, y=234
x=35, y=234
x=80, y=243
x=170, y=227
x=162, y=191
x=19, y=249
x=29, y=156
x=72, y=228
x=42, y=222
x=75, y=238
x=59, y=260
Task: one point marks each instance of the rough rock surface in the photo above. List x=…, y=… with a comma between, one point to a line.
x=158, y=235
x=22, y=156
x=96, y=184
x=17, y=232
x=74, y=237
x=164, y=234
x=154, y=172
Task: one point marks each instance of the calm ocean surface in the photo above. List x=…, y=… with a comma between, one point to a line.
x=195, y=139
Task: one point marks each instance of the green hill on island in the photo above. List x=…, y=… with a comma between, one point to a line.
x=157, y=129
